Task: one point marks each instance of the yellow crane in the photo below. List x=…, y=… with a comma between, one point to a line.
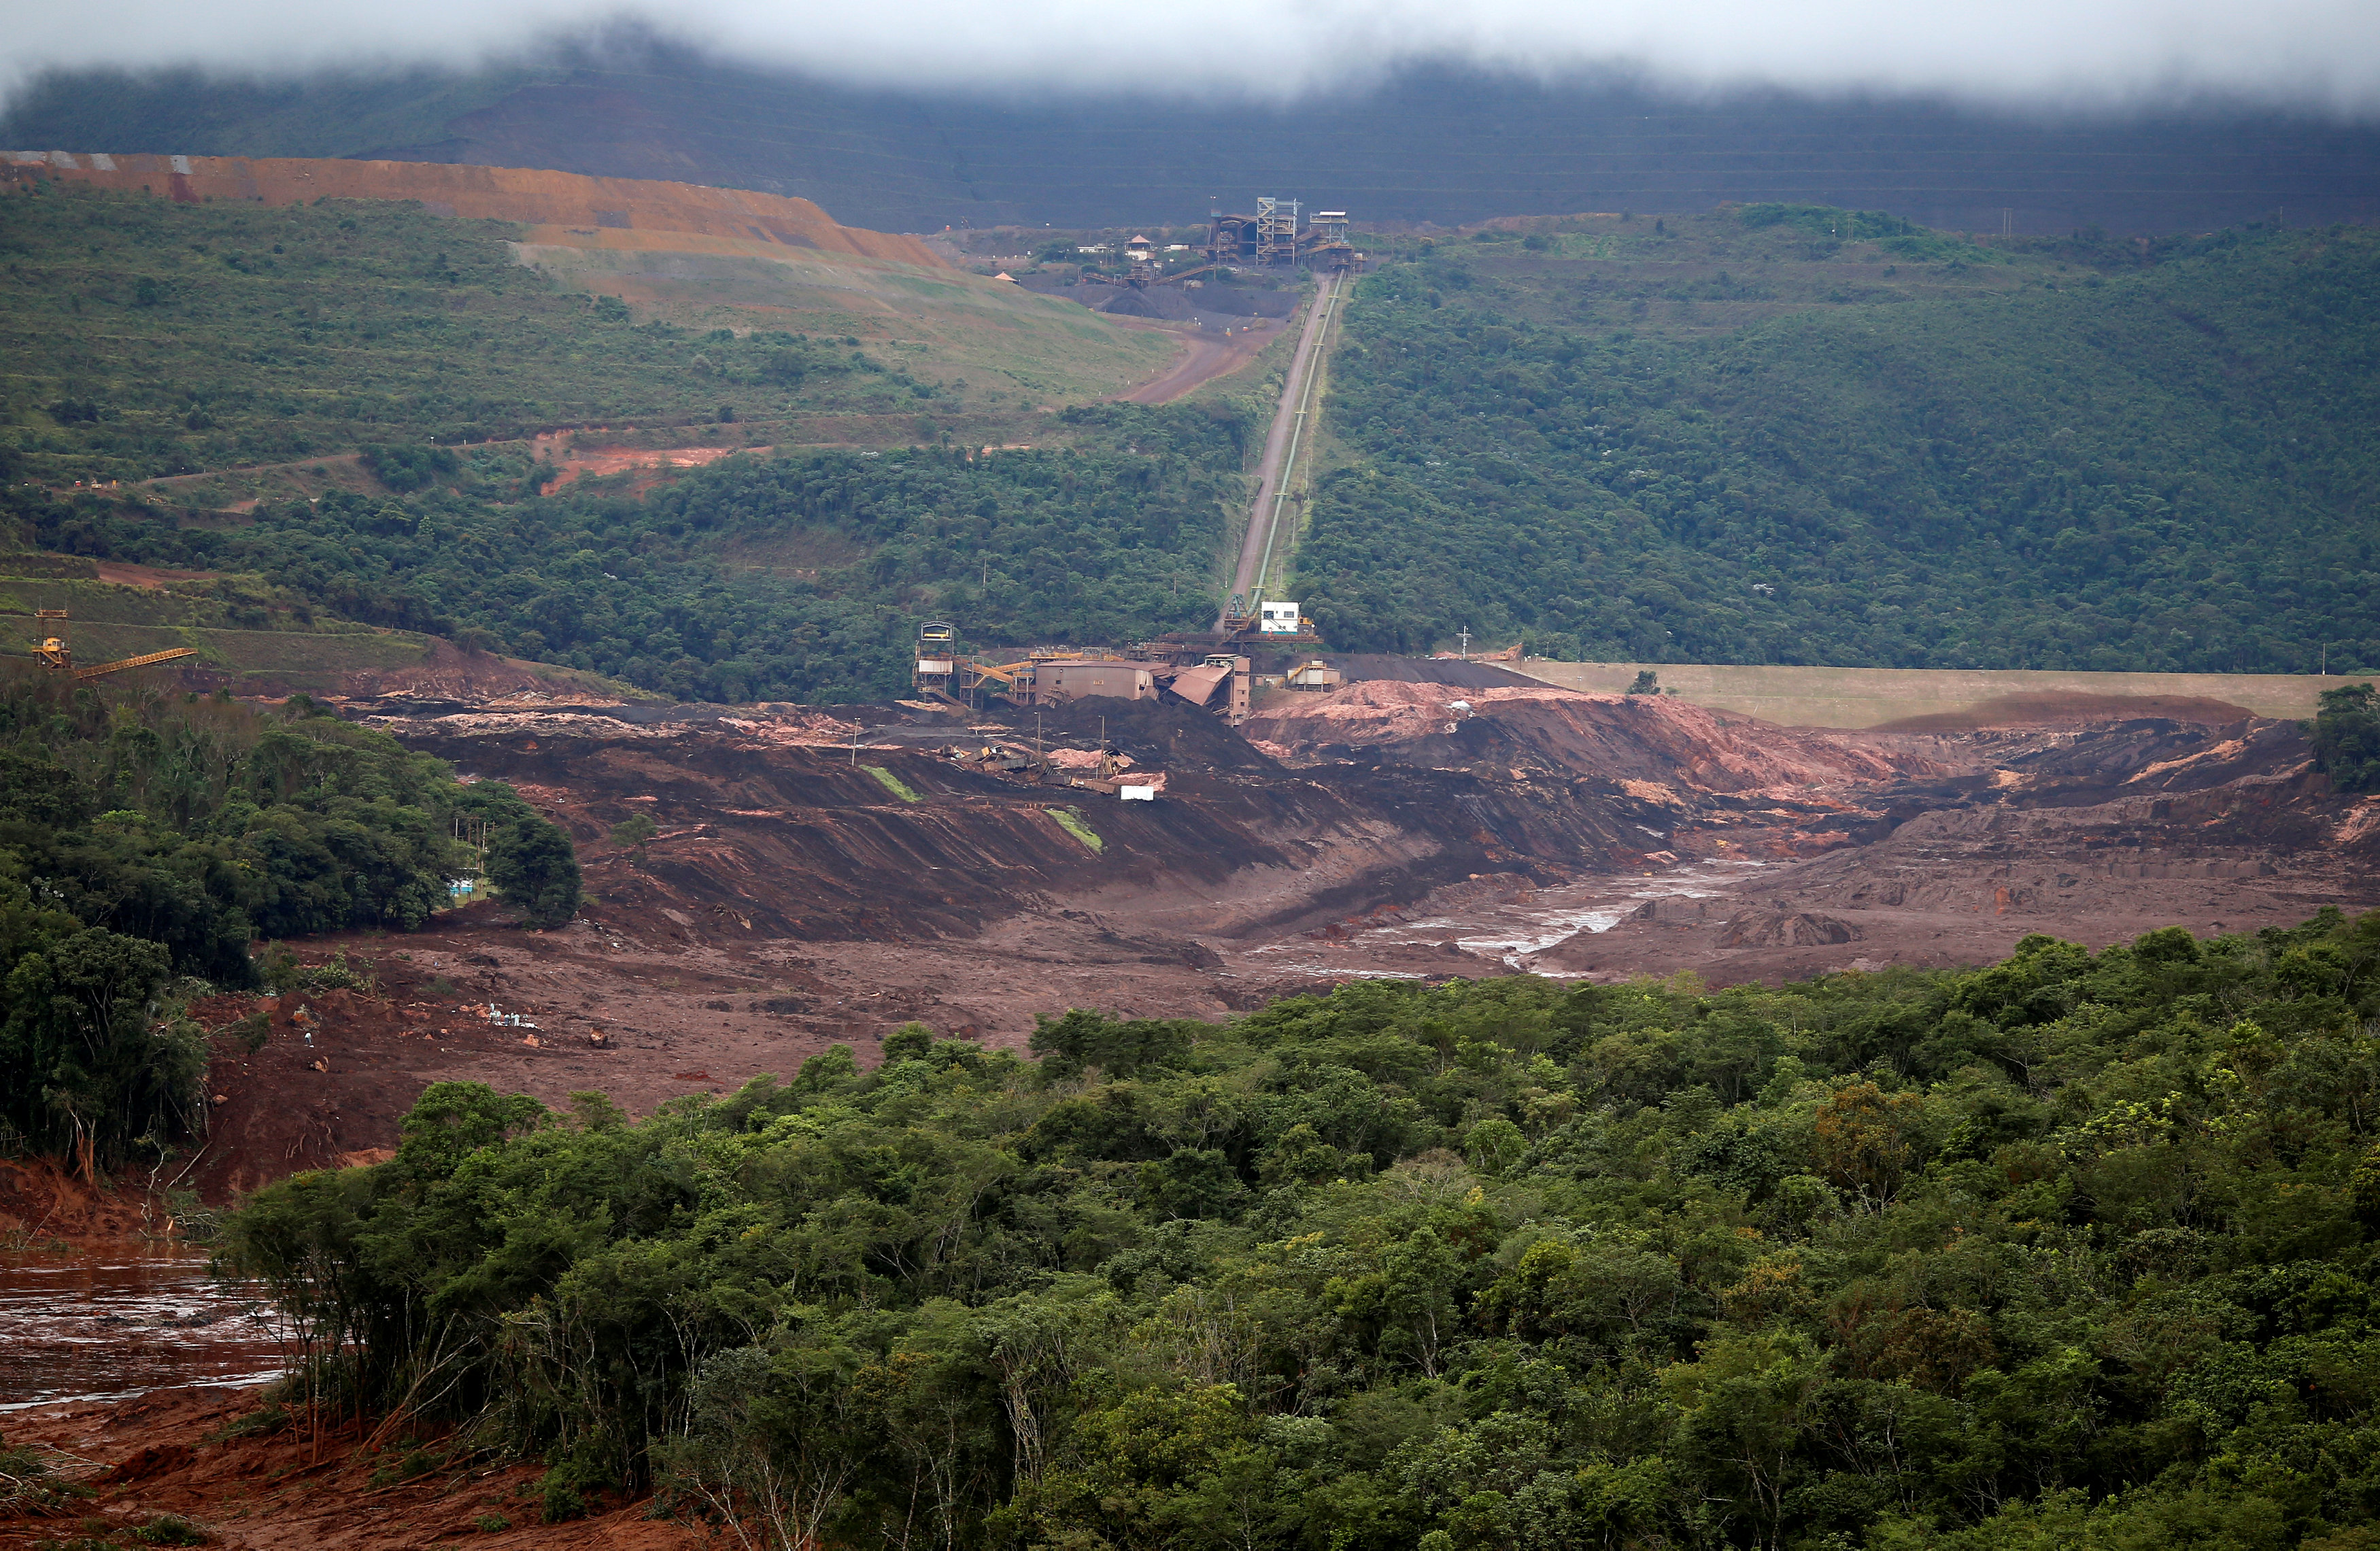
x=54, y=653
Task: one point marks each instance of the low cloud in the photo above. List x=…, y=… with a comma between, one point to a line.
x=2310, y=55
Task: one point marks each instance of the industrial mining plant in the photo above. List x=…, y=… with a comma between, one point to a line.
x=1270, y=239
x=1213, y=670
x=1273, y=237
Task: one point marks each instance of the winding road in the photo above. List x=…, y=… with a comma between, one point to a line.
x=1265, y=538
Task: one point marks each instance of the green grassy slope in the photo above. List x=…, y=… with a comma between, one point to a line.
x=140, y=338
x=1835, y=439
x=238, y=625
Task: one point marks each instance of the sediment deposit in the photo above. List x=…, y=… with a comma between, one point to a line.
x=822, y=875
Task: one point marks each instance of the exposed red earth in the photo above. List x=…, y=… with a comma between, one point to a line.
x=338, y=1486
x=792, y=898
x=1208, y=353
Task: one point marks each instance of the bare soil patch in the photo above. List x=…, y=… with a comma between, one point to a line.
x=651, y=465
x=790, y=900
x=322, y=1484
x=1208, y=353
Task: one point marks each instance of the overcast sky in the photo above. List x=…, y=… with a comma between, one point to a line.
x=2315, y=53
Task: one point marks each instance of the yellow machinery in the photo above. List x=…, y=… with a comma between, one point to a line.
x=938, y=647
x=54, y=653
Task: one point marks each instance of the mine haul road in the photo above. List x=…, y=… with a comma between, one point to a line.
x=1282, y=443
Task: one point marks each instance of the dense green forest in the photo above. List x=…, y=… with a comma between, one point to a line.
x=2347, y=736
x=1808, y=436
x=147, y=840
x=1779, y=434
x=2075, y=1250
x=802, y=576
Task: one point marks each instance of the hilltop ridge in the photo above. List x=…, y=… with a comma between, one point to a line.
x=534, y=197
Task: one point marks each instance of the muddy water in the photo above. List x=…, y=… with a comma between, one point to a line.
x=1515, y=930
x=105, y=1323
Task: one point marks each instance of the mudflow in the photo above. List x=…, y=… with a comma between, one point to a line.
x=794, y=896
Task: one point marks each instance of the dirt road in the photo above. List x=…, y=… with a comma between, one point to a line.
x=1281, y=448
x=1212, y=354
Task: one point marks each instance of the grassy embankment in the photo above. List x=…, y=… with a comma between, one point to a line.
x=1870, y=696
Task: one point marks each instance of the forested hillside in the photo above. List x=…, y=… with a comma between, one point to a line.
x=1808, y=436
x=146, y=338
x=140, y=337
x=798, y=577
x=2071, y=1251
x=147, y=840
x=1779, y=434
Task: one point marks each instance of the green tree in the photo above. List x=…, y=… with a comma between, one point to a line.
x=2347, y=738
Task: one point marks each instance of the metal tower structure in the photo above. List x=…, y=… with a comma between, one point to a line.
x=1276, y=230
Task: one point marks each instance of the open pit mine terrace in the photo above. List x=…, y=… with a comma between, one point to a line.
x=823, y=875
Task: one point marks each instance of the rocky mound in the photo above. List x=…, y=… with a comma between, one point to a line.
x=1795, y=928
x=1647, y=745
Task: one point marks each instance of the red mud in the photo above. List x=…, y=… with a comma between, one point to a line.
x=40, y=1200
x=1654, y=741
x=301, y=1488
x=790, y=900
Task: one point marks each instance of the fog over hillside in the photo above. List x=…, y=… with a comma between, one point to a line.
x=2311, y=52
x=1428, y=142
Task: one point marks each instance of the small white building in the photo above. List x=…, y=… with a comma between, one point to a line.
x=1277, y=618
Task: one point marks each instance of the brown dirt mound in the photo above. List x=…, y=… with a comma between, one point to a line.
x=2071, y=709
x=291, y=1486
x=1798, y=928
x=39, y=1198
x=1657, y=742
x=534, y=197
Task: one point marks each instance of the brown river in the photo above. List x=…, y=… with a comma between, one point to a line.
x=94, y=1323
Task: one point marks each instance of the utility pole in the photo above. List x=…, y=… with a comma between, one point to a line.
x=1467, y=643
